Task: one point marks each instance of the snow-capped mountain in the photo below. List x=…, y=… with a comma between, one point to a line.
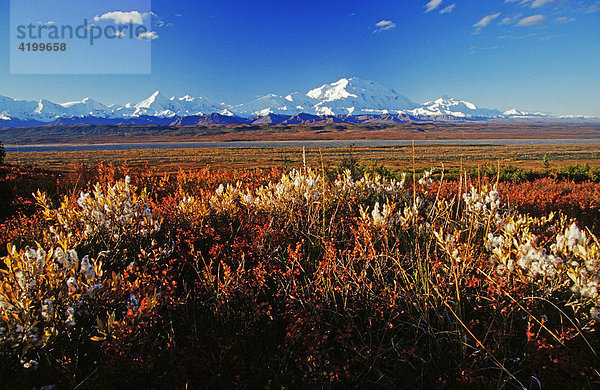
x=16, y=109
x=160, y=105
x=514, y=113
x=355, y=96
x=291, y=104
x=452, y=107
x=345, y=98
x=46, y=111
x=87, y=107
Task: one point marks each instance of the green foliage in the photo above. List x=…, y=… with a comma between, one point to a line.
x=379, y=169
x=358, y=169
x=578, y=172
x=545, y=161
x=506, y=173
x=286, y=162
x=350, y=162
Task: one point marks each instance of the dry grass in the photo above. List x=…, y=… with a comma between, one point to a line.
x=171, y=160
x=250, y=279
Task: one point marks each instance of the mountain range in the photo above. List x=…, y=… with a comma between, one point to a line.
x=348, y=100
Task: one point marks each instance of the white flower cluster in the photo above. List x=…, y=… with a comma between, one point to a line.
x=515, y=245
x=368, y=186
x=35, y=258
x=573, y=240
x=67, y=259
x=225, y=199
x=537, y=262
x=301, y=188
x=483, y=205
x=573, y=258
x=70, y=320
x=43, y=289
x=115, y=209
x=187, y=204
x=47, y=309
x=449, y=244
x=386, y=217
x=377, y=218
x=296, y=188
x=25, y=274
x=582, y=256
x=395, y=190
x=426, y=179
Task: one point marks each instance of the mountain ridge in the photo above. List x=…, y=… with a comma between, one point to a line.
x=346, y=101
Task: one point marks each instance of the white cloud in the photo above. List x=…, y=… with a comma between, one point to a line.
x=541, y=3
x=384, y=25
x=486, y=20
x=475, y=48
x=522, y=3
x=518, y=37
x=593, y=8
x=432, y=4
x=534, y=3
x=564, y=19
x=548, y=37
x=148, y=36
x=533, y=20
x=448, y=9
x=510, y=19
x=120, y=17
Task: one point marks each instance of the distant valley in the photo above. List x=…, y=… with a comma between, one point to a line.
x=135, y=133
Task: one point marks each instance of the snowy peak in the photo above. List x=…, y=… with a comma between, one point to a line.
x=163, y=106
x=86, y=107
x=446, y=101
x=153, y=100
x=447, y=106
x=514, y=113
x=186, y=98
x=47, y=110
x=354, y=96
x=291, y=104
x=156, y=104
x=17, y=109
x=346, y=96
x=331, y=92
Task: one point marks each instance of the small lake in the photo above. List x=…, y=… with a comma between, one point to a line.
x=288, y=144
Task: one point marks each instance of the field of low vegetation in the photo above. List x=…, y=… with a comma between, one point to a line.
x=308, y=276
x=86, y=134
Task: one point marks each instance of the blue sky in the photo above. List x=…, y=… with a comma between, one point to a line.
x=535, y=55
x=90, y=20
